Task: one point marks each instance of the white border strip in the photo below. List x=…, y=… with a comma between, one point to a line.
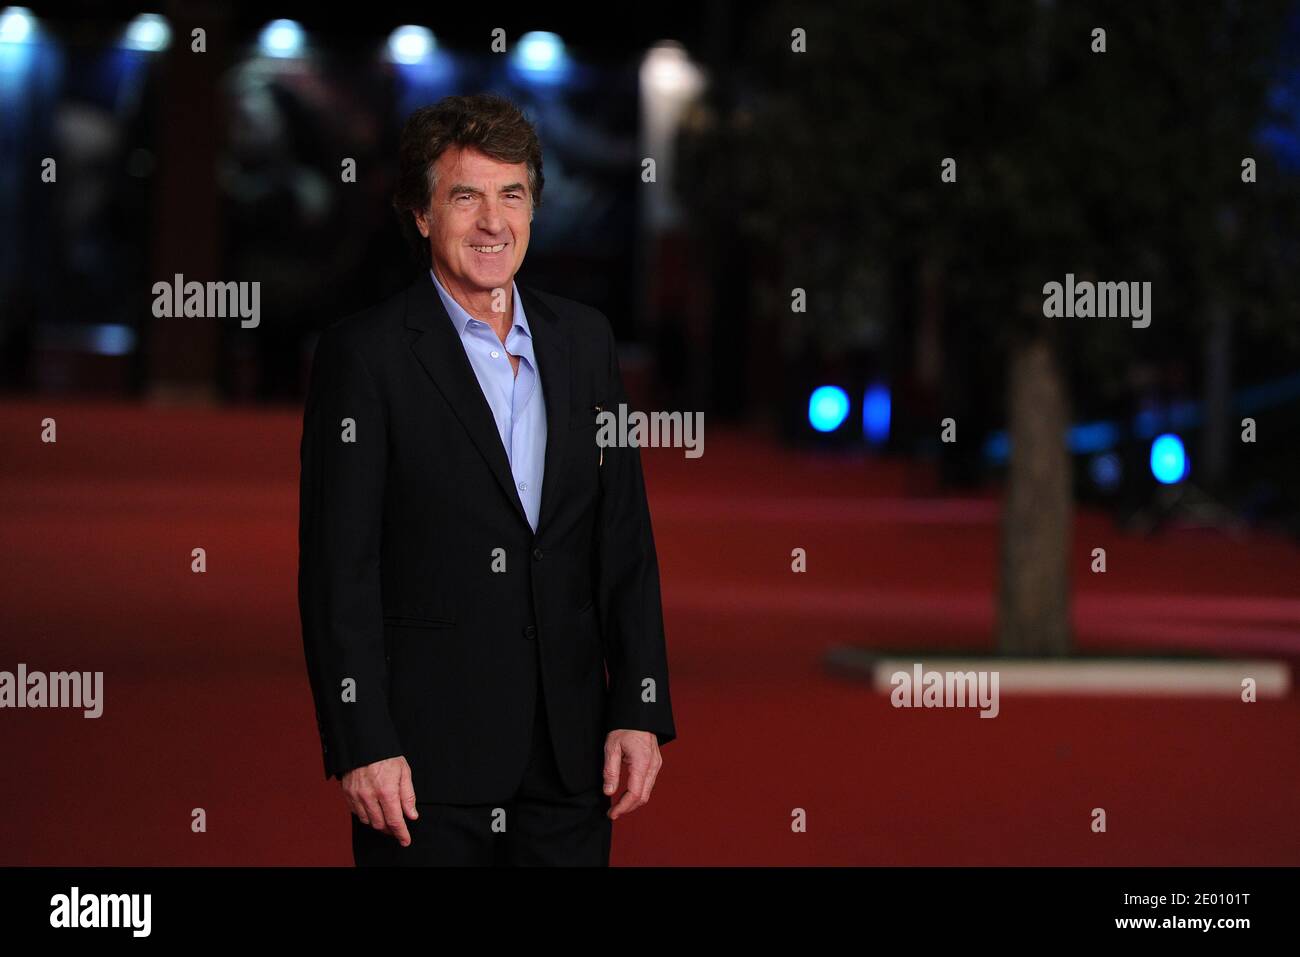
x=1217, y=678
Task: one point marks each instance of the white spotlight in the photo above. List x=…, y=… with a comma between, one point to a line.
x=16, y=25
x=410, y=44
x=668, y=70
x=281, y=38
x=148, y=32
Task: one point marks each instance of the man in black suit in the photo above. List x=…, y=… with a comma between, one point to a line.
x=471, y=561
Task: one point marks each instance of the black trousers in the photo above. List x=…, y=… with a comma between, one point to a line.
x=540, y=826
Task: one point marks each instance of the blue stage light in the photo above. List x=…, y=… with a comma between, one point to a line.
x=828, y=408
x=1168, y=459
x=539, y=57
x=1106, y=470
x=875, y=413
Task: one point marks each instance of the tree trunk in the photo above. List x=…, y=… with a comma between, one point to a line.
x=1034, y=603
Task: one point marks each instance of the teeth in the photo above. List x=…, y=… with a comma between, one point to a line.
x=490, y=249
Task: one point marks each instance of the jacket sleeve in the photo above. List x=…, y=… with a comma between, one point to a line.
x=627, y=594
x=340, y=521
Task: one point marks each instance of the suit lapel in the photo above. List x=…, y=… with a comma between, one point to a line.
x=551, y=347
x=434, y=341
x=442, y=354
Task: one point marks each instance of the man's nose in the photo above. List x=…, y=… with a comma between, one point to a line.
x=490, y=218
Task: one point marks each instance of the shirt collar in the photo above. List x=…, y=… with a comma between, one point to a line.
x=460, y=319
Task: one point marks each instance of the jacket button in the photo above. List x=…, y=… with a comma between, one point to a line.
x=537, y=554
x=530, y=632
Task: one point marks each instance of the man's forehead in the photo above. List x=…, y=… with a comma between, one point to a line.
x=471, y=165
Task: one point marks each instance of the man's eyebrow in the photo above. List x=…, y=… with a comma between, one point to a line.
x=464, y=188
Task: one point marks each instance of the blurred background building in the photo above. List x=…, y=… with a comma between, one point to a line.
x=799, y=269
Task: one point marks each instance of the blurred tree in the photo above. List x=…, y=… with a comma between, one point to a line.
x=1123, y=165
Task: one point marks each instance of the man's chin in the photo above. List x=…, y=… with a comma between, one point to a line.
x=489, y=281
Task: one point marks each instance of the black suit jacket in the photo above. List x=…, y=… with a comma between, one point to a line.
x=416, y=642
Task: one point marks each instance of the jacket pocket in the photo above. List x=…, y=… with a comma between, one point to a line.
x=588, y=416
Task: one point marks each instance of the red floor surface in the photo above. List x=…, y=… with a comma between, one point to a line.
x=207, y=705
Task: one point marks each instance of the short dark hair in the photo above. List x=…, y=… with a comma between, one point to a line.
x=484, y=121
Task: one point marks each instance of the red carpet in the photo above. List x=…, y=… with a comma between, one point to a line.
x=207, y=705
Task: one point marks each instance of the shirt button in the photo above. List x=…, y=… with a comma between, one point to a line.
x=530, y=632
x=495, y=354
x=537, y=554
x=523, y=486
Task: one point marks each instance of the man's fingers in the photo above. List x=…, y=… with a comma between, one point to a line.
x=613, y=760
x=627, y=802
x=407, y=789
x=636, y=778
x=642, y=768
x=394, y=823
x=358, y=809
x=651, y=773
x=374, y=813
x=637, y=793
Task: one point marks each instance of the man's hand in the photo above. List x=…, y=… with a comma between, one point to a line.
x=639, y=750
x=379, y=793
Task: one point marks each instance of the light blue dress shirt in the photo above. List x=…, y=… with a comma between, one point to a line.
x=516, y=400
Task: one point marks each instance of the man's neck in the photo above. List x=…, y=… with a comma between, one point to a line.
x=478, y=303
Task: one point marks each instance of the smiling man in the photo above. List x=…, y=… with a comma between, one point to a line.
x=478, y=582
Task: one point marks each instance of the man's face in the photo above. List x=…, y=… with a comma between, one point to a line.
x=478, y=221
